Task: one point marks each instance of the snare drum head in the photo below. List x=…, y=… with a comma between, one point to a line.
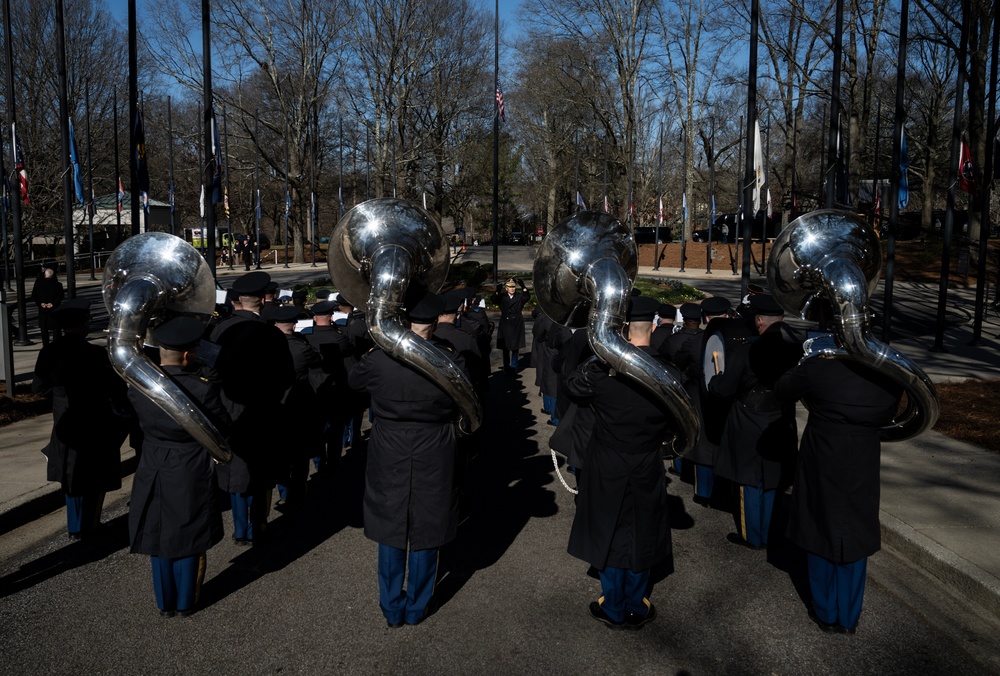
x=714, y=359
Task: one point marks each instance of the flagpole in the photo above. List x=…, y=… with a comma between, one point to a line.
x=956, y=147
x=496, y=141
x=313, y=206
x=288, y=197
x=576, y=152
x=90, y=183
x=767, y=196
x=67, y=170
x=225, y=190
x=256, y=184
x=749, y=172
x=876, y=197
x=368, y=165
x=684, y=189
x=118, y=174
x=170, y=154
x=133, y=113
x=15, y=203
x=739, y=202
x=659, y=198
x=711, y=196
x=988, y=175
x=340, y=193
x=211, y=152
x=833, y=137
x=4, y=201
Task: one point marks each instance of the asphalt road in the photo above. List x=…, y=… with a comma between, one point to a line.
x=511, y=599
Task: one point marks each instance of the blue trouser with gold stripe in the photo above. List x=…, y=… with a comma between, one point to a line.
x=177, y=582
x=754, y=513
x=410, y=605
x=837, y=589
x=623, y=590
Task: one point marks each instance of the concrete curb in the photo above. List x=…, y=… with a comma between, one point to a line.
x=975, y=584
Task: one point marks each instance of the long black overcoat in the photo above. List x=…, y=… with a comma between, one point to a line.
x=621, y=511
x=89, y=415
x=409, y=493
x=835, y=498
x=172, y=512
x=510, y=334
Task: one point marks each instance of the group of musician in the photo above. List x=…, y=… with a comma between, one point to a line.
x=739, y=367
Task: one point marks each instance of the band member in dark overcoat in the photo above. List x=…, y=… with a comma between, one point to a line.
x=410, y=502
x=172, y=515
x=90, y=417
x=664, y=327
x=835, y=497
x=759, y=437
x=683, y=349
x=333, y=393
x=621, y=526
x=474, y=320
x=510, y=334
x=299, y=399
x=545, y=337
x=252, y=396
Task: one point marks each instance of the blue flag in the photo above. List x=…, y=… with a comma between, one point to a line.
x=904, y=165
x=258, y=204
x=74, y=162
x=288, y=205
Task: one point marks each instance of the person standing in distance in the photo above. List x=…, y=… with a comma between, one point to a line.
x=511, y=336
x=47, y=294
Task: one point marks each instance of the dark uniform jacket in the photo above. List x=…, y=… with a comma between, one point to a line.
x=576, y=420
x=684, y=350
x=300, y=398
x=332, y=393
x=47, y=290
x=759, y=437
x=172, y=513
x=255, y=370
x=543, y=351
x=409, y=496
x=90, y=415
x=511, y=335
x=659, y=338
x=835, y=500
x=476, y=323
x=621, y=510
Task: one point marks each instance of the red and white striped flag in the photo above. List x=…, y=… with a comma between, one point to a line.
x=500, y=101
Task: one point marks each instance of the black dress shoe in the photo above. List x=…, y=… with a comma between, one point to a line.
x=167, y=613
x=394, y=625
x=844, y=630
x=704, y=502
x=737, y=540
x=598, y=614
x=75, y=537
x=185, y=613
x=825, y=627
x=635, y=621
x=674, y=472
x=241, y=542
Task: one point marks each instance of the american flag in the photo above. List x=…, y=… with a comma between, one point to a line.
x=121, y=194
x=19, y=164
x=500, y=102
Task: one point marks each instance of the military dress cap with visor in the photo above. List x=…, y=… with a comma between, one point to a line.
x=716, y=305
x=280, y=313
x=341, y=301
x=765, y=305
x=180, y=333
x=667, y=311
x=642, y=309
x=453, y=300
x=252, y=284
x=691, y=312
x=72, y=312
x=324, y=307
x=426, y=309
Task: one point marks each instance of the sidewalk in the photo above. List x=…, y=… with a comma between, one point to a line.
x=940, y=505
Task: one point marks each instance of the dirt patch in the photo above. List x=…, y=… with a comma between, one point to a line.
x=968, y=412
x=22, y=405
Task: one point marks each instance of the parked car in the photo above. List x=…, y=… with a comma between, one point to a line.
x=517, y=237
x=647, y=234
